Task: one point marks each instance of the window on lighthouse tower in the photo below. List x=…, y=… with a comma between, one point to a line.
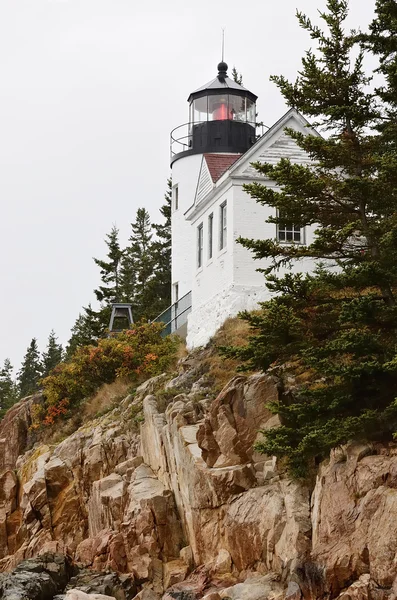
x=175, y=194
x=210, y=234
x=223, y=225
x=200, y=240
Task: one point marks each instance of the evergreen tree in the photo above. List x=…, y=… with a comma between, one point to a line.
x=88, y=328
x=145, y=269
x=160, y=285
x=236, y=76
x=334, y=329
x=53, y=354
x=139, y=274
x=30, y=372
x=128, y=276
x=382, y=41
x=8, y=389
x=109, y=291
x=140, y=254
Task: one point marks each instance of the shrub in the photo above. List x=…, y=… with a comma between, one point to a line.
x=106, y=398
x=134, y=355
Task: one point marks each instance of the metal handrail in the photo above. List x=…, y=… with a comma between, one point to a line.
x=170, y=306
x=173, y=315
x=174, y=140
x=177, y=316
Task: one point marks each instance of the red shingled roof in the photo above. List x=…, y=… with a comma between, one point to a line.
x=218, y=164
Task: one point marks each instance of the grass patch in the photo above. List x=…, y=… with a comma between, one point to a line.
x=220, y=370
x=106, y=398
x=234, y=332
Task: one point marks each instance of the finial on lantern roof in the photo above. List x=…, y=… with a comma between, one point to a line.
x=222, y=70
x=222, y=67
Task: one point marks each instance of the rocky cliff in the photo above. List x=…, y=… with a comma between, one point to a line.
x=165, y=496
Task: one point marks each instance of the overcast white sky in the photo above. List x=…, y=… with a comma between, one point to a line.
x=89, y=91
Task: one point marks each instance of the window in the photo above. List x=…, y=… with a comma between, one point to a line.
x=176, y=292
x=287, y=232
x=210, y=234
x=175, y=196
x=200, y=245
x=222, y=226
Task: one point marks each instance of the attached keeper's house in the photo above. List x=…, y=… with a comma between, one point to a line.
x=214, y=277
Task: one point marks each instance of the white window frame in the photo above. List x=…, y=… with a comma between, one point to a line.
x=210, y=236
x=223, y=225
x=284, y=229
x=200, y=245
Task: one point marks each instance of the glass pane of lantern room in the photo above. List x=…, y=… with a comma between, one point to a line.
x=237, y=108
x=199, y=111
x=251, y=111
x=218, y=108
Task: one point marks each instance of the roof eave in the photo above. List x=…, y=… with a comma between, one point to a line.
x=277, y=125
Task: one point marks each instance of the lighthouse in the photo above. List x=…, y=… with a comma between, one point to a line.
x=221, y=125
x=214, y=277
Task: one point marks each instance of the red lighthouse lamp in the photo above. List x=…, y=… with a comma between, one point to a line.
x=221, y=111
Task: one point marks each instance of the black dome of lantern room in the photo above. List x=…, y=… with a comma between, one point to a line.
x=221, y=119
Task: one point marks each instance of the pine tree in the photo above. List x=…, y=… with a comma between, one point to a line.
x=109, y=291
x=8, y=389
x=128, y=276
x=382, y=41
x=236, y=76
x=334, y=328
x=88, y=328
x=140, y=254
x=160, y=285
x=30, y=372
x=53, y=354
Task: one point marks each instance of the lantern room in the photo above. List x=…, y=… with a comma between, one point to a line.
x=221, y=119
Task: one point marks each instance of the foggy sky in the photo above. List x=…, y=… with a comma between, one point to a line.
x=89, y=91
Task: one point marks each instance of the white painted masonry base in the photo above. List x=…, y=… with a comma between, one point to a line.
x=205, y=320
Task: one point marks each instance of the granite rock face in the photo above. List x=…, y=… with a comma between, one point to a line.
x=14, y=430
x=230, y=429
x=227, y=508
x=354, y=516
x=178, y=505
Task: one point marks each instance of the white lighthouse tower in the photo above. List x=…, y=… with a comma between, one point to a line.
x=221, y=127
x=213, y=276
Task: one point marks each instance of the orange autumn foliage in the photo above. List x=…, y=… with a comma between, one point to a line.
x=136, y=354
